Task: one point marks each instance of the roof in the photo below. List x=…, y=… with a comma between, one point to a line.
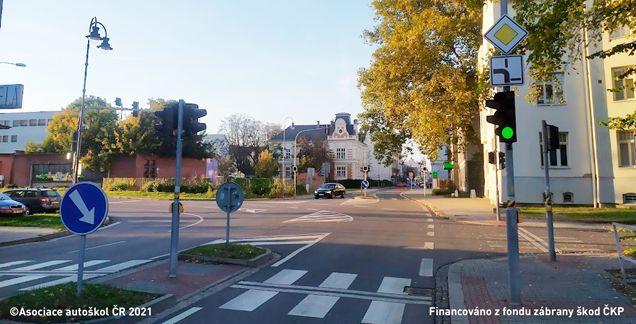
x=309, y=130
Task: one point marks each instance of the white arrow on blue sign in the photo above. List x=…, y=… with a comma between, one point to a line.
x=84, y=208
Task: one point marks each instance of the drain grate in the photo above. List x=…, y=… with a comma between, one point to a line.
x=418, y=291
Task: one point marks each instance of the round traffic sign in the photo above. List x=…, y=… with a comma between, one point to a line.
x=229, y=197
x=365, y=184
x=84, y=208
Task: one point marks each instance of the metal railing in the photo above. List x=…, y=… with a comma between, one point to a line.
x=619, y=249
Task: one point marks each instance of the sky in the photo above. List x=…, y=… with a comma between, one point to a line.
x=266, y=59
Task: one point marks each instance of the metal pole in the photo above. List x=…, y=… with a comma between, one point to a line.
x=174, y=236
x=497, y=211
x=548, y=195
x=284, y=168
x=80, y=264
x=227, y=224
x=80, y=119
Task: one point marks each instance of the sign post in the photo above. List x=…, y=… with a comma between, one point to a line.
x=550, y=138
x=83, y=209
x=174, y=230
x=229, y=198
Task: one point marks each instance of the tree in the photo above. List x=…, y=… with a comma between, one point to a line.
x=98, y=135
x=138, y=134
x=422, y=82
x=312, y=153
x=246, y=137
x=266, y=167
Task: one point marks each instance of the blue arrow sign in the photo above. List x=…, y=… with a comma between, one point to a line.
x=365, y=184
x=84, y=208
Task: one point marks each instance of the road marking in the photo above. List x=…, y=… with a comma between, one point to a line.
x=252, y=299
x=426, y=267
x=429, y=245
x=387, y=312
x=293, y=254
x=41, y=265
x=123, y=201
x=318, y=306
x=430, y=233
x=431, y=226
x=321, y=217
x=195, y=223
x=429, y=219
x=252, y=211
x=106, y=227
x=539, y=240
x=183, y=315
x=28, y=278
x=8, y=264
x=124, y=265
x=99, y=246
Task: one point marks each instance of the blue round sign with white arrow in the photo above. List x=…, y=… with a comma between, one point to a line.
x=84, y=208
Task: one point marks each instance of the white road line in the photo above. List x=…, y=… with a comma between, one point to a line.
x=183, y=315
x=271, y=238
x=293, y=254
x=8, y=264
x=41, y=265
x=538, y=239
x=193, y=224
x=531, y=241
x=252, y=299
x=387, y=312
x=66, y=279
x=122, y=201
x=99, y=246
x=429, y=219
x=429, y=245
x=430, y=233
x=123, y=265
x=426, y=267
x=431, y=226
x=149, y=221
x=106, y=227
x=318, y=306
x=279, y=242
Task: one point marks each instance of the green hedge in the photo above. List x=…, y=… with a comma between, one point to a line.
x=355, y=183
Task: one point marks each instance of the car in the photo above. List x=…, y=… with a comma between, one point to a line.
x=329, y=190
x=37, y=199
x=10, y=207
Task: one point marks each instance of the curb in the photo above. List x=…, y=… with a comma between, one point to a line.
x=47, y=237
x=254, y=262
x=158, y=304
x=456, y=292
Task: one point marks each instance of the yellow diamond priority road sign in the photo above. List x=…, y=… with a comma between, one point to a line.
x=506, y=34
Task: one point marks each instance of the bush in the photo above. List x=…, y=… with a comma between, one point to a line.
x=350, y=183
x=120, y=184
x=301, y=190
x=261, y=186
x=244, y=183
x=442, y=192
x=150, y=186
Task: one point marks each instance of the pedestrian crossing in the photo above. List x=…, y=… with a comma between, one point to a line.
x=386, y=305
x=322, y=216
x=45, y=274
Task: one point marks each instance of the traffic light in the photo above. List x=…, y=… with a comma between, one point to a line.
x=504, y=118
x=553, y=137
x=502, y=160
x=118, y=102
x=365, y=168
x=491, y=157
x=191, y=115
x=167, y=120
x=294, y=168
x=135, y=107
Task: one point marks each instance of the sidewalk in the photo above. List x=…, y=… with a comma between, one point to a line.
x=11, y=235
x=570, y=283
x=479, y=211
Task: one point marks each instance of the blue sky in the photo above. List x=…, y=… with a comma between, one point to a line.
x=267, y=59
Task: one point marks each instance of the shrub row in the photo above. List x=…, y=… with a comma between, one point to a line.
x=356, y=183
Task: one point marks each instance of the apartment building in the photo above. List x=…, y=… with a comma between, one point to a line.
x=25, y=127
x=593, y=165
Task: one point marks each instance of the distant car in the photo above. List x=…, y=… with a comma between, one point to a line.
x=10, y=207
x=37, y=200
x=330, y=190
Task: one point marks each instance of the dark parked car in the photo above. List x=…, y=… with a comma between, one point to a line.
x=37, y=199
x=9, y=207
x=330, y=190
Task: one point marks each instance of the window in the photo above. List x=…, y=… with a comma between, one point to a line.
x=48, y=121
x=626, y=148
x=340, y=153
x=5, y=122
x=41, y=122
x=341, y=171
x=558, y=157
x=33, y=122
x=5, y=138
x=287, y=153
x=629, y=198
x=16, y=123
x=623, y=86
x=14, y=138
x=24, y=123
x=568, y=197
x=620, y=32
x=552, y=91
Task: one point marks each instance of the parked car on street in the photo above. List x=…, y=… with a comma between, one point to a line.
x=330, y=190
x=37, y=199
x=10, y=207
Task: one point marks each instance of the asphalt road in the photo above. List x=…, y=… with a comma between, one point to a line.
x=342, y=260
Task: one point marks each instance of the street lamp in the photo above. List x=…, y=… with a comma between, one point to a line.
x=284, y=150
x=16, y=64
x=93, y=34
x=296, y=154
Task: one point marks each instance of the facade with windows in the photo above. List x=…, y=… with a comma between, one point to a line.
x=593, y=164
x=349, y=151
x=24, y=127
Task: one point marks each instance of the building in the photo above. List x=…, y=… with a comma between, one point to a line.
x=350, y=151
x=24, y=127
x=594, y=165
x=220, y=143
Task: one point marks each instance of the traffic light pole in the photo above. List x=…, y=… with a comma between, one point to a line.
x=548, y=195
x=174, y=235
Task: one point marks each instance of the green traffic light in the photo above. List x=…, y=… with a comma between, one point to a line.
x=507, y=132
